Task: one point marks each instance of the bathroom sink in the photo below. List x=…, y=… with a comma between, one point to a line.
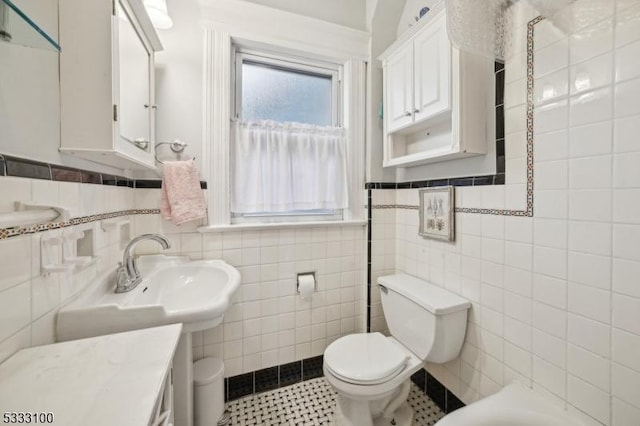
x=173, y=290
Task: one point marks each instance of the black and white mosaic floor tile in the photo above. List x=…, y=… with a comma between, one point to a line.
x=312, y=403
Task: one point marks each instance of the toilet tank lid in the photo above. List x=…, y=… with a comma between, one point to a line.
x=435, y=299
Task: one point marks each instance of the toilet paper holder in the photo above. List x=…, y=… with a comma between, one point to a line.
x=315, y=281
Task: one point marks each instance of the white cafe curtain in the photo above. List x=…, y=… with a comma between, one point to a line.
x=280, y=167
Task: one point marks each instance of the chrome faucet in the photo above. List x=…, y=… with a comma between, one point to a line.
x=128, y=275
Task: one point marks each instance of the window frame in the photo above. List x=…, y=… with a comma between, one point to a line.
x=315, y=39
x=286, y=217
x=290, y=63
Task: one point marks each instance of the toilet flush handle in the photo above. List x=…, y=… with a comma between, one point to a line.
x=383, y=289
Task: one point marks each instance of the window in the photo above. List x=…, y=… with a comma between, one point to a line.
x=272, y=93
x=288, y=154
x=283, y=89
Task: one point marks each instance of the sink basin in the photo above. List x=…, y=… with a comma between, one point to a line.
x=173, y=290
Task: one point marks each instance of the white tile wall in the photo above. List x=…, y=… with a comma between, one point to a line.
x=383, y=250
x=556, y=300
x=269, y=324
x=555, y=297
x=28, y=300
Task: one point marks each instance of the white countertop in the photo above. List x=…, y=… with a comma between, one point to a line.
x=107, y=380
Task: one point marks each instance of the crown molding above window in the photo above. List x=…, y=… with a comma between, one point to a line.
x=245, y=20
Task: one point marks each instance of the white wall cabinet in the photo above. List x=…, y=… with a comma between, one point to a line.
x=432, y=76
x=438, y=101
x=107, y=82
x=399, y=89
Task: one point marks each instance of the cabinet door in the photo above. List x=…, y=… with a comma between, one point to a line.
x=432, y=75
x=399, y=89
x=133, y=82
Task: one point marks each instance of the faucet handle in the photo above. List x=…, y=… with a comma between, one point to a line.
x=122, y=279
x=121, y=272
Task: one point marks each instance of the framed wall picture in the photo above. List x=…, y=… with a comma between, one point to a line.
x=437, y=213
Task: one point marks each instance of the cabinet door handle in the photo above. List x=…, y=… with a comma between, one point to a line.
x=150, y=106
x=416, y=111
x=407, y=114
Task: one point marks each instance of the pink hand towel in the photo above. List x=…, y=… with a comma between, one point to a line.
x=182, y=197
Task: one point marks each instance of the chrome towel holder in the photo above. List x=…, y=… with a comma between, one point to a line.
x=176, y=146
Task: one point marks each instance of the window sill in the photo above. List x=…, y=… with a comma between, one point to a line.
x=279, y=225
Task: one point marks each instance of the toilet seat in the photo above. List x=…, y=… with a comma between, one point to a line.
x=365, y=358
x=366, y=382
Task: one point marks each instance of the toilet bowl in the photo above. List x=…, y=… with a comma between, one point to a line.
x=514, y=405
x=371, y=372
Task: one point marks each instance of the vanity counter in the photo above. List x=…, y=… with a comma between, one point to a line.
x=101, y=381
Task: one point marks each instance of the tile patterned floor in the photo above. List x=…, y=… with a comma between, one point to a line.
x=312, y=403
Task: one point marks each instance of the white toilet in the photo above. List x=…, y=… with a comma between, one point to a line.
x=371, y=372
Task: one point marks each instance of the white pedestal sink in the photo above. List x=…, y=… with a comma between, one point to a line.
x=173, y=290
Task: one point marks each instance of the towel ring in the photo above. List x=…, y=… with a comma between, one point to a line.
x=176, y=146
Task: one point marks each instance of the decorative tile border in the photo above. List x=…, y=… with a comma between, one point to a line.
x=369, y=208
x=436, y=391
x=24, y=230
x=272, y=378
x=488, y=180
x=24, y=168
x=157, y=184
x=497, y=179
x=528, y=212
x=31, y=169
x=394, y=206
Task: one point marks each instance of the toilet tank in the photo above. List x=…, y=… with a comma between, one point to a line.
x=429, y=320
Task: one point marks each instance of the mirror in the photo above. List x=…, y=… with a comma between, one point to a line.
x=135, y=107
